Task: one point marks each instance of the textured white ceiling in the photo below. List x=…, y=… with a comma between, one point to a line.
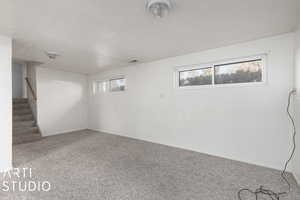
x=94, y=35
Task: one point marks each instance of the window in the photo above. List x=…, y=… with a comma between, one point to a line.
x=192, y=77
x=108, y=85
x=238, y=71
x=99, y=86
x=117, y=84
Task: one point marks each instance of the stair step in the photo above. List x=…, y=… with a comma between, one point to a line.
x=21, y=111
x=25, y=130
x=28, y=117
x=21, y=106
x=20, y=100
x=26, y=138
x=22, y=124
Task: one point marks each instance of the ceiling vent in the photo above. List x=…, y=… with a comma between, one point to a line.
x=159, y=8
x=52, y=55
x=133, y=61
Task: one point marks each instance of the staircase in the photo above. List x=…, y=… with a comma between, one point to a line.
x=24, y=126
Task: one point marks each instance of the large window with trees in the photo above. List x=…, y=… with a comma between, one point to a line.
x=236, y=71
x=239, y=72
x=202, y=76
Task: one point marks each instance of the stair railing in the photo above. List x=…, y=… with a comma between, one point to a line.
x=31, y=89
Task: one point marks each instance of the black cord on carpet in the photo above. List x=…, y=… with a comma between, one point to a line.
x=269, y=193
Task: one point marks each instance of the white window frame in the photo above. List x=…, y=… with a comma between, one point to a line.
x=95, y=85
x=179, y=69
x=189, y=68
x=96, y=89
x=117, y=78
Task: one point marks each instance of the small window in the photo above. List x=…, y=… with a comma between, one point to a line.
x=117, y=84
x=99, y=87
x=194, y=77
x=102, y=86
x=238, y=72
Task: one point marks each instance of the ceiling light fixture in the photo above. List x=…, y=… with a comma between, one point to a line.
x=159, y=8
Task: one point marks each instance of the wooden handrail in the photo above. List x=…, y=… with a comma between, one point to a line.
x=31, y=89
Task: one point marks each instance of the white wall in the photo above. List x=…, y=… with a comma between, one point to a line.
x=5, y=104
x=61, y=101
x=246, y=123
x=17, y=80
x=296, y=162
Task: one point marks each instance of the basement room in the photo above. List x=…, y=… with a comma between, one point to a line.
x=150, y=100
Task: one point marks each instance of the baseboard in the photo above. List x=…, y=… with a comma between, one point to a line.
x=65, y=131
x=184, y=148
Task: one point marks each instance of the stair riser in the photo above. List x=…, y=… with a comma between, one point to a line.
x=21, y=140
x=23, y=124
x=21, y=106
x=25, y=131
x=22, y=112
x=20, y=101
x=23, y=118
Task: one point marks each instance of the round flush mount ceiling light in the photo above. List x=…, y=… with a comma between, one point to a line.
x=159, y=8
